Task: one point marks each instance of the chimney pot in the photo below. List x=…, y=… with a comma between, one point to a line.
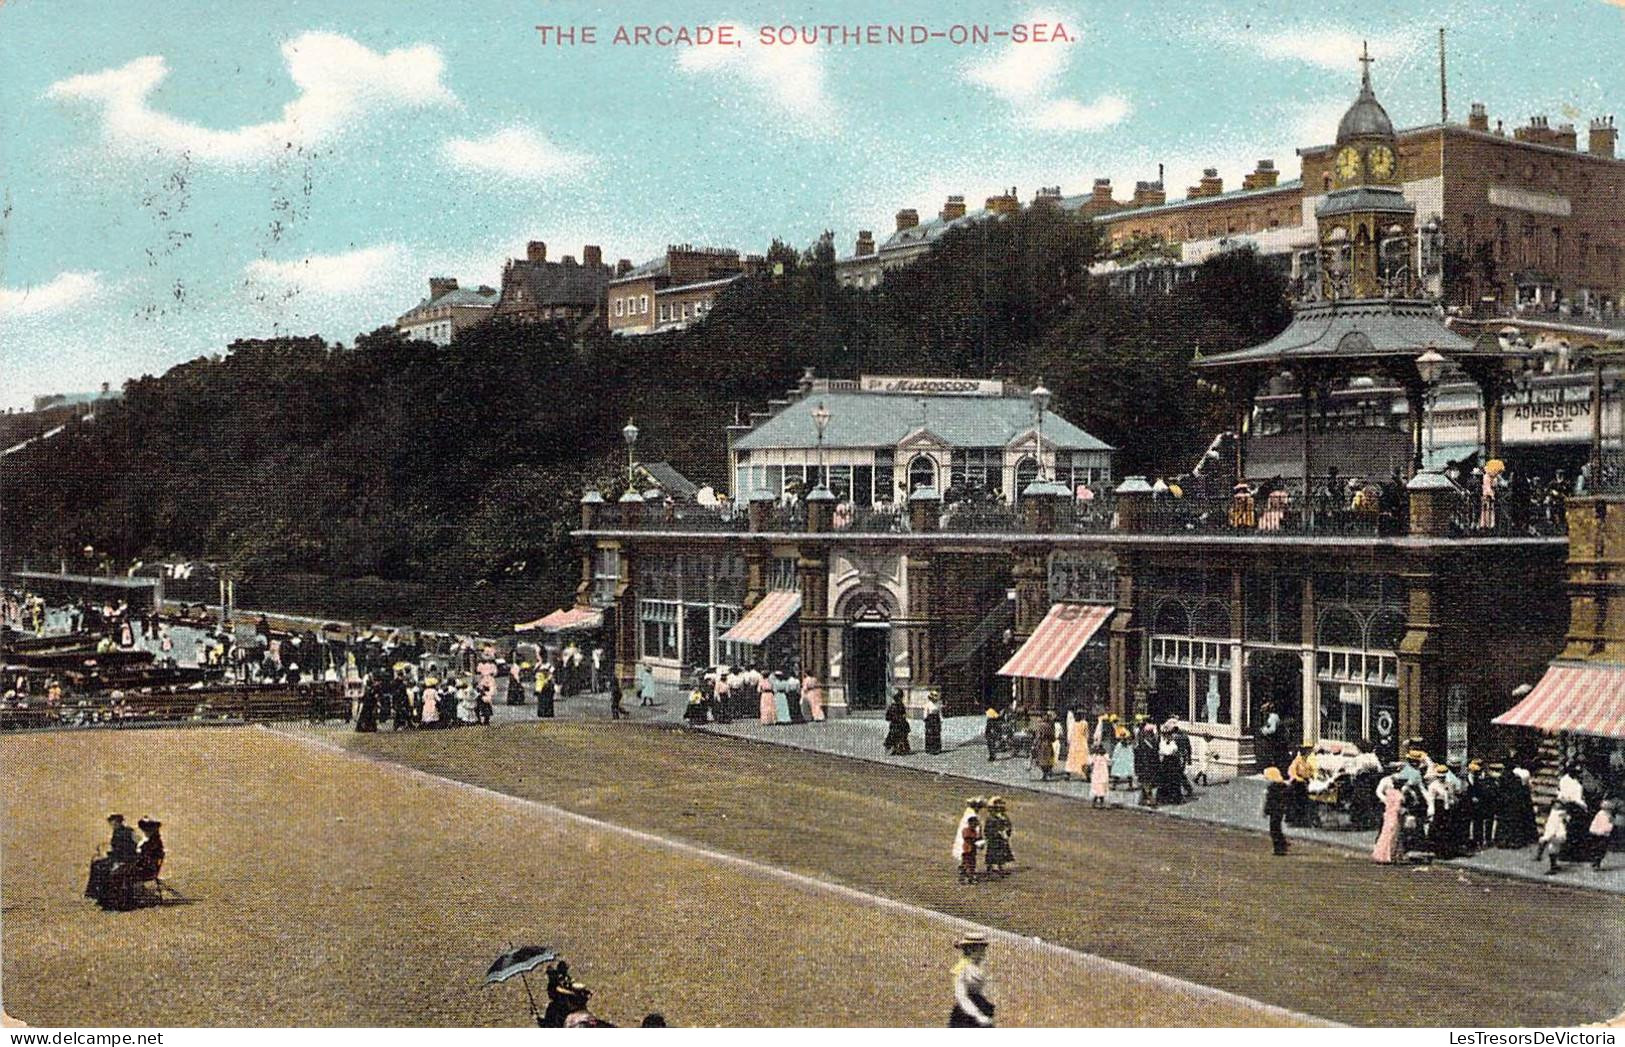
x=1603, y=139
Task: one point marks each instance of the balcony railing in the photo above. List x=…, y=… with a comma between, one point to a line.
x=1462, y=514
x=1271, y=515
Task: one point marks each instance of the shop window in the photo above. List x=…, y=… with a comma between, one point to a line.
x=659, y=622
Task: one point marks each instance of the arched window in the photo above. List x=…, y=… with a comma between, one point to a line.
x=1339, y=628
x=1026, y=473
x=1387, y=630
x=1172, y=620
x=922, y=472
x=1211, y=619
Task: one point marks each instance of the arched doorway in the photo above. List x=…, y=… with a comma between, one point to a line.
x=922, y=472
x=866, y=650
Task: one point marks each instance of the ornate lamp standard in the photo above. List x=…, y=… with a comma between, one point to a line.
x=1041, y=398
x=630, y=435
x=820, y=418
x=1430, y=367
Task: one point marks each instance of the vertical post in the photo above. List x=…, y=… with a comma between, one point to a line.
x=1596, y=423
x=1308, y=396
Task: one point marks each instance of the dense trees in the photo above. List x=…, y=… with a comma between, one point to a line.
x=458, y=470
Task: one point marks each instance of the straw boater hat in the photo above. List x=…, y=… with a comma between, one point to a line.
x=971, y=940
x=976, y=801
x=996, y=801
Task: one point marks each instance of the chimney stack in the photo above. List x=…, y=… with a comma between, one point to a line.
x=1210, y=185
x=536, y=251
x=907, y=218
x=1050, y=195
x=954, y=208
x=1149, y=194
x=1005, y=203
x=592, y=256
x=1566, y=137
x=1478, y=119
x=1604, y=137
x=623, y=267
x=1264, y=177
x=439, y=285
x=866, y=243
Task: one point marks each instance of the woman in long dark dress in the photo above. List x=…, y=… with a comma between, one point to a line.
x=897, y=732
x=367, y=718
x=1515, y=817
x=933, y=725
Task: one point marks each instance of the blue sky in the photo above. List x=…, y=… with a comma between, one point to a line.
x=174, y=175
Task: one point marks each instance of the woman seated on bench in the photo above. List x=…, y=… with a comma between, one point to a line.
x=120, y=850
x=120, y=892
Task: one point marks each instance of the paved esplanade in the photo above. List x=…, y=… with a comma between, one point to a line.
x=1235, y=803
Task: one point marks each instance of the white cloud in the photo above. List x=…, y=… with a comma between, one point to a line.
x=340, y=82
x=329, y=275
x=1328, y=47
x=1028, y=76
x=66, y=290
x=789, y=79
x=1067, y=114
x=519, y=154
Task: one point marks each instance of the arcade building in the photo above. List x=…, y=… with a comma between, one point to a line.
x=957, y=537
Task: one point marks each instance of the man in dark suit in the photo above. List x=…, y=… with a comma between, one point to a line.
x=120, y=849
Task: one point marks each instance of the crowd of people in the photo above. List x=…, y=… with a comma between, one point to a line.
x=724, y=693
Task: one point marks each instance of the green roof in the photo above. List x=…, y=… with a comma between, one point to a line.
x=884, y=419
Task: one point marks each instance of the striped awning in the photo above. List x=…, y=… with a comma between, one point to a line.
x=1574, y=697
x=1053, y=646
x=565, y=620
x=765, y=618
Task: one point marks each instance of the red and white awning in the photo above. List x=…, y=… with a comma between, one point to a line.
x=1576, y=698
x=766, y=618
x=1057, y=641
x=566, y=620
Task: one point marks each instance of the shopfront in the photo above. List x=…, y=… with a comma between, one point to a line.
x=687, y=604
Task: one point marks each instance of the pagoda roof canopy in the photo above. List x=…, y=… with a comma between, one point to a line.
x=1354, y=331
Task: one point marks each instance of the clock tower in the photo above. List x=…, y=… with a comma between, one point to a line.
x=1366, y=227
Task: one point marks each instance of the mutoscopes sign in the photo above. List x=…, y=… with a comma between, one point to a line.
x=932, y=386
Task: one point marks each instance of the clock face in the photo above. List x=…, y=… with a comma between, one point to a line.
x=1348, y=164
x=1381, y=160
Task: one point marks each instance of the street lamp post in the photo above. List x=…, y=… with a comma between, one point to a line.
x=630, y=435
x=1430, y=367
x=1041, y=398
x=820, y=417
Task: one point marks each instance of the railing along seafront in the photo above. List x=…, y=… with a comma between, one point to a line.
x=229, y=704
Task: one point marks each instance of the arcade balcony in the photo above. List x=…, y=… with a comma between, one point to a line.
x=1429, y=507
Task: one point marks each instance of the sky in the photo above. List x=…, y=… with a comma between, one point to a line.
x=177, y=175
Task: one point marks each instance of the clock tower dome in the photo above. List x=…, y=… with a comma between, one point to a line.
x=1367, y=229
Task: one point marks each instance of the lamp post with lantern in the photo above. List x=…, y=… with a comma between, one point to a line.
x=820, y=419
x=1041, y=398
x=630, y=435
x=1430, y=368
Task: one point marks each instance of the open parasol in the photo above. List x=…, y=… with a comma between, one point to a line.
x=519, y=961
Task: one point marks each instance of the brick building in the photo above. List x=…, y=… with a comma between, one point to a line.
x=535, y=290
x=672, y=291
x=447, y=311
x=1204, y=607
